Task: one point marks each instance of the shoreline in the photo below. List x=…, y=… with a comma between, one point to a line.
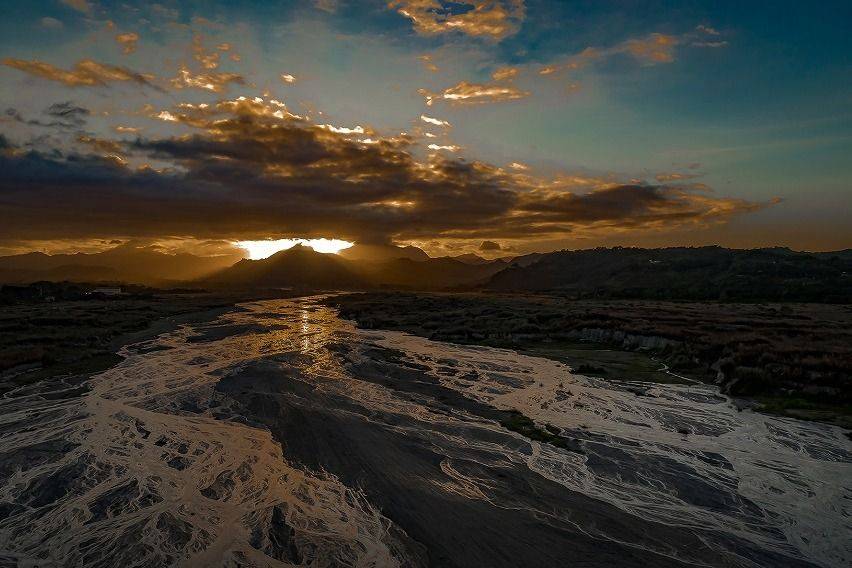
x=170, y=323
x=443, y=317
x=70, y=376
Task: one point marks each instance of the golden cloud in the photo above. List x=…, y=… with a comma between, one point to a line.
x=656, y=48
x=435, y=121
x=494, y=19
x=447, y=147
x=102, y=145
x=504, y=73
x=127, y=41
x=427, y=62
x=250, y=167
x=216, y=82
x=208, y=60
x=87, y=73
x=576, y=62
x=473, y=93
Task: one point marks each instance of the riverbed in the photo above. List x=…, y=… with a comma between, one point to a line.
x=279, y=434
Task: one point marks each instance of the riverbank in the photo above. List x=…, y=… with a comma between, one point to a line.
x=70, y=341
x=787, y=359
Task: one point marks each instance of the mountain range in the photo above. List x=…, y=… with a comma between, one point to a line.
x=687, y=273
x=125, y=263
x=369, y=267
x=699, y=273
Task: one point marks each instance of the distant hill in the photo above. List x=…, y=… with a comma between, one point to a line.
x=523, y=260
x=434, y=273
x=125, y=263
x=297, y=267
x=363, y=266
x=470, y=258
x=703, y=273
x=382, y=252
x=302, y=267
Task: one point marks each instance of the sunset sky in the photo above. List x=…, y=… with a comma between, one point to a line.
x=498, y=127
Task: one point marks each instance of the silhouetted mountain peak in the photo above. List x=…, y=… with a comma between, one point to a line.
x=295, y=250
x=382, y=252
x=470, y=258
x=298, y=266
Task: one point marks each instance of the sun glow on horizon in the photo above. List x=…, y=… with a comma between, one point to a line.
x=263, y=249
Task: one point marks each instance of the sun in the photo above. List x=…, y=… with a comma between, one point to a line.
x=263, y=249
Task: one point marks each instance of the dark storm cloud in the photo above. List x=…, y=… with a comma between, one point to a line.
x=616, y=202
x=68, y=112
x=252, y=169
x=63, y=115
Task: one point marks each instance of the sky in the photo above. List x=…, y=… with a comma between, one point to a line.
x=496, y=127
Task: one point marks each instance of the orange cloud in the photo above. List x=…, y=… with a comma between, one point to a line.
x=472, y=93
x=127, y=41
x=656, y=48
x=435, y=121
x=102, y=145
x=447, y=147
x=207, y=60
x=87, y=73
x=575, y=62
x=653, y=49
x=427, y=62
x=504, y=73
x=251, y=167
x=216, y=82
x=494, y=19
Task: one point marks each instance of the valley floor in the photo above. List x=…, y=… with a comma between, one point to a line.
x=279, y=434
x=789, y=359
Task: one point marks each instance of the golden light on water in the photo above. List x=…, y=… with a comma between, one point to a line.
x=264, y=249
